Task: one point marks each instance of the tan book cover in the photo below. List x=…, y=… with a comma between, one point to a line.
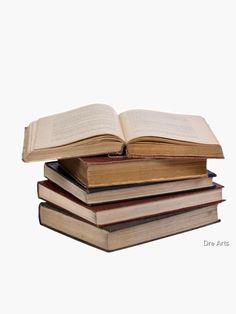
x=122, y=235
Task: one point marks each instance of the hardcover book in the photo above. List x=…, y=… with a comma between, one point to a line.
x=117, y=236
x=108, y=171
x=98, y=130
x=104, y=214
x=56, y=174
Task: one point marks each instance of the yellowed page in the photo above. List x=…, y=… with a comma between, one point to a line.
x=139, y=123
x=75, y=125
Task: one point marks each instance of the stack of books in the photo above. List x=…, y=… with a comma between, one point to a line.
x=124, y=180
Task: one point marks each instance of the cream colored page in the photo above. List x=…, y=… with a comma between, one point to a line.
x=77, y=124
x=139, y=123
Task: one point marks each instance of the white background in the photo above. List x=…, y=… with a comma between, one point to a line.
x=174, y=56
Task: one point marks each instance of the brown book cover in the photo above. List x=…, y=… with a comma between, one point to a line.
x=108, y=171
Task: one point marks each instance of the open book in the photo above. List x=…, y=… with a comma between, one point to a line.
x=97, y=129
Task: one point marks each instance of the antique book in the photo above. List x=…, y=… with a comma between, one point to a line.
x=98, y=130
x=56, y=174
x=126, y=234
x=104, y=214
x=108, y=171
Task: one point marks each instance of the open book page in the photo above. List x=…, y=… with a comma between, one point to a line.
x=139, y=123
x=77, y=124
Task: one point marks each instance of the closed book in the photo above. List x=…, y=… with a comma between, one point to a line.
x=122, y=235
x=108, y=171
x=55, y=173
x=104, y=214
